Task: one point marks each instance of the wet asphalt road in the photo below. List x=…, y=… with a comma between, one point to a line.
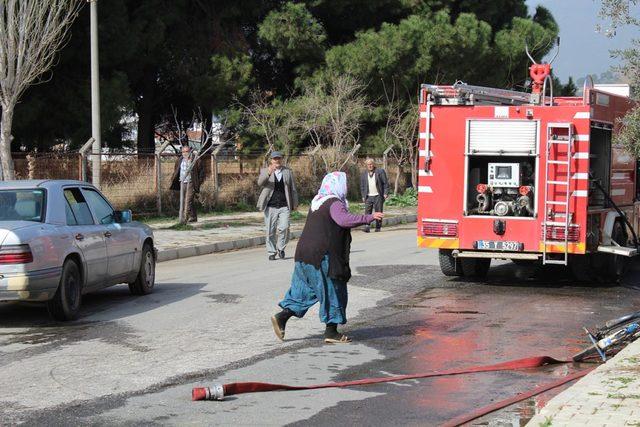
x=134, y=361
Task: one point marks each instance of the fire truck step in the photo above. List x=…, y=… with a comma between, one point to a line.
x=551, y=202
x=559, y=162
x=560, y=141
x=557, y=183
x=555, y=261
x=618, y=250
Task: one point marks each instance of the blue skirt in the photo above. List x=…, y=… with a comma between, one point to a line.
x=310, y=285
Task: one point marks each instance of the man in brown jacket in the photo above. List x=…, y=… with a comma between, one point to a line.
x=189, y=181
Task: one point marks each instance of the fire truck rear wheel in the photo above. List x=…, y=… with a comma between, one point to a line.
x=618, y=264
x=581, y=268
x=475, y=267
x=449, y=265
x=523, y=262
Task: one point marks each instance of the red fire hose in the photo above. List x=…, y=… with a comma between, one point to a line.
x=219, y=391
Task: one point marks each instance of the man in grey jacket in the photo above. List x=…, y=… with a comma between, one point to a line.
x=277, y=199
x=374, y=188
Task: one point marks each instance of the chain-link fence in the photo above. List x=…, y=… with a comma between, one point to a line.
x=129, y=181
x=47, y=165
x=142, y=182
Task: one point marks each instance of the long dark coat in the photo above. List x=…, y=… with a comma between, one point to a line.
x=197, y=175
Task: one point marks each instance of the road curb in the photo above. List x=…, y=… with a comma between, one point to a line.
x=249, y=242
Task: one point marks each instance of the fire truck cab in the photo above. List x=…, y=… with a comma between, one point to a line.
x=525, y=176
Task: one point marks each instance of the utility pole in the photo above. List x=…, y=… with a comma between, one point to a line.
x=95, y=97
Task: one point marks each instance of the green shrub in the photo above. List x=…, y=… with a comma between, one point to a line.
x=409, y=198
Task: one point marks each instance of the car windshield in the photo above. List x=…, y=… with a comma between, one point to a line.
x=21, y=205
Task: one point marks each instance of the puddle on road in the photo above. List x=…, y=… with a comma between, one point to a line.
x=453, y=323
x=520, y=326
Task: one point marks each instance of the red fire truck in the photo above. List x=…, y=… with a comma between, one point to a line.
x=525, y=176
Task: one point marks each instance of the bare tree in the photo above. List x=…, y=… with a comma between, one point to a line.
x=272, y=119
x=209, y=131
x=331, y=116
x=31, y=33
x=401, y=134
x=620, y=13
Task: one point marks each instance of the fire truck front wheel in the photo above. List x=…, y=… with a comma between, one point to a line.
x=476, y=268
x=449, y=265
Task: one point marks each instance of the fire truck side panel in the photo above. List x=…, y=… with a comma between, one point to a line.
x=623, y=177
x=441, y=200
x=440, y=194
x=606, y=109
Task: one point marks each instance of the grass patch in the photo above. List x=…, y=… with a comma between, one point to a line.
x=213, y=225
x=623, y=380
x=593, y=393
x=356, y=207
x=623, y=396
x=547, y=422
x=297, y=216
x=151, y=220
x=180, y=227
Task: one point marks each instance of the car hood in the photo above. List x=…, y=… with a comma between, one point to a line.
x=7, y=227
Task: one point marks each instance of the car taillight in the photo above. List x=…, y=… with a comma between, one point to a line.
x=556, y=232
x=15, y=254
x=440, y=229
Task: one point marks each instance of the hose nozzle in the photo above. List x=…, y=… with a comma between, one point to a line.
x=208, y=393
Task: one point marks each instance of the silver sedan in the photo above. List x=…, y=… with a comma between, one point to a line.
x=62, y=239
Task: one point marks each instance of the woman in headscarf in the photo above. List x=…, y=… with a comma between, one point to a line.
x=322, y=268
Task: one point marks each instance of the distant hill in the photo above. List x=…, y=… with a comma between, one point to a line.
x=608, y=77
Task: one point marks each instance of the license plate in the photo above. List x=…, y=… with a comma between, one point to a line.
x=492, y=245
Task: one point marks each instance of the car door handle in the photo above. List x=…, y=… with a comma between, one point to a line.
x=79, y=236
x=107, y=234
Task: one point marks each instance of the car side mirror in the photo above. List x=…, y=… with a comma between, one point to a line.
x=122, y=217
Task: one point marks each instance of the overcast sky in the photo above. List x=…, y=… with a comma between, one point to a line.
x=582, y=50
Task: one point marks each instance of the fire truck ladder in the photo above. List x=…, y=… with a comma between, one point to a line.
x=554, y=208
x=493, y=95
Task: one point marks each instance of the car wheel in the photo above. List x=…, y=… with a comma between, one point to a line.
x=65, y=304
x=146, y=278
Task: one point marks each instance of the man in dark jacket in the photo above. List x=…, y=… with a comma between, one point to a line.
x=190, y=181
x=374, y=188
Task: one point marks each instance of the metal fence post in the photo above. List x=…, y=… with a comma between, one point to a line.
x=158, y=162
x=314, y=161
x=214, y=172
x=31, y=166
x=384, y=158
x=158, y=181
x=83, y=159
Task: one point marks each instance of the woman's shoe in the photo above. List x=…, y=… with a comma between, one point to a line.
x=332, y=336
x=279, y=322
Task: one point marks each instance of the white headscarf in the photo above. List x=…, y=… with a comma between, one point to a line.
x=334, y=185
